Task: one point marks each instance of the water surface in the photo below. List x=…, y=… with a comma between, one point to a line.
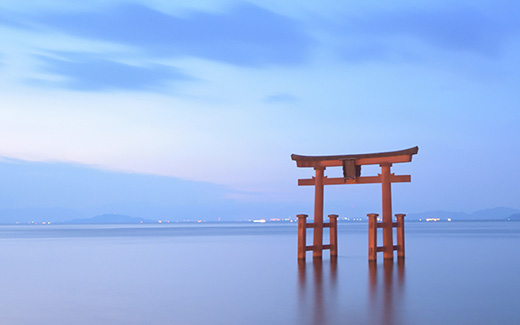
x=458, y=272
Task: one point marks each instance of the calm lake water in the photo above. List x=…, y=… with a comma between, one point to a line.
x=454, y=273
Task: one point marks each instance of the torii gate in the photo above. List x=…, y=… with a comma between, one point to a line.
x=352, y=175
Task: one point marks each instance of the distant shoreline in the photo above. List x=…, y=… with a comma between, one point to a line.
x=196, y=223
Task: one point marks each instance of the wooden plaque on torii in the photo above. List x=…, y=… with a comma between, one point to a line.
x=351, y=165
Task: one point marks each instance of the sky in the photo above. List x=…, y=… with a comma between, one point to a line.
x=218, y=94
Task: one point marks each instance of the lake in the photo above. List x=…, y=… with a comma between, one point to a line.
x=454, y=272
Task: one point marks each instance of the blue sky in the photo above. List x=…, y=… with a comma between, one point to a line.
x=222, y=92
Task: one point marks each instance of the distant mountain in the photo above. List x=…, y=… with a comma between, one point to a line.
x=493, y=214
x=36, y=192
x=59, y=192
x=514, y=217
x=109, y=219
x=499, y=213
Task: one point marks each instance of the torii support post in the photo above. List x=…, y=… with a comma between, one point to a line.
x=400, y=234
x=333, y=220
x=372, y=236
x=302, y=236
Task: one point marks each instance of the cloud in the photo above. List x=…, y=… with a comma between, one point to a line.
x=11, y=19
x=448, y=29
x=38, y=185
x=466, y=30
x=281, y=98
x=246, y=35
x=44, y=191
x=93, y=73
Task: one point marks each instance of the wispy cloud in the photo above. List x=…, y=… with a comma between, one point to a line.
x=94, y=73
x=281, y=98
x=379, y=34
x=11, y=19
x=64, y=186
x=246, y=35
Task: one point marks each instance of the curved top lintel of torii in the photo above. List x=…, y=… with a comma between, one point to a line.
x=388, y=157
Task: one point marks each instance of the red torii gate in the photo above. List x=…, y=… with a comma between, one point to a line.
x=352, y=175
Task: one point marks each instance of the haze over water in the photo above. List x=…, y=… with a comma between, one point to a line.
x=458, y=272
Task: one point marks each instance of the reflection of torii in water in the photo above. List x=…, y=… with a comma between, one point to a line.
x=352, y=175
x=386, y=284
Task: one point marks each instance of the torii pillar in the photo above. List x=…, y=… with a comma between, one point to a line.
x=388, y=241
x=352, y=175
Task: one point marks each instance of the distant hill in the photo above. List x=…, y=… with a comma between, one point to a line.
x=109, y=219
x=494, y=214
x=36, y=192
x=514, y=217
x=500, y=213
